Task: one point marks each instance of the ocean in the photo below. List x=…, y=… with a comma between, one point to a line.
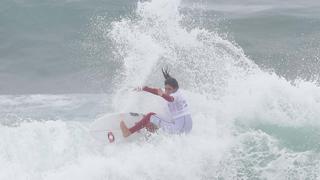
x=249, y=70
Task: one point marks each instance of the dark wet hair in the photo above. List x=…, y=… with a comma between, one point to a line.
x=169, y=80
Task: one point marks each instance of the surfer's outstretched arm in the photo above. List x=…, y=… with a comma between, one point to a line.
x=158, y=92
x=150, y=90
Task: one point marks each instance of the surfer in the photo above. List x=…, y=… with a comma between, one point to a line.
x=180, y=121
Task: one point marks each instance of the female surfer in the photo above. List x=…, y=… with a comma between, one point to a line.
x=180, y=121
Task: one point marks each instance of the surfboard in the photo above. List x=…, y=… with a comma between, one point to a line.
x=106, y=129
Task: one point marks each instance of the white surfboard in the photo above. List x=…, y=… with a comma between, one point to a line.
x=106, y=129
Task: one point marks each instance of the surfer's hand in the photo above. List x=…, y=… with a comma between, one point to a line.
x=160, y=92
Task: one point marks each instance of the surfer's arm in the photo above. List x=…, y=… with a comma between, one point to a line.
x=150, y=90
x=167, y=97
x=158, y=92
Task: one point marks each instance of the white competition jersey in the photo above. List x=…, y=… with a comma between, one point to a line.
x=179, y=106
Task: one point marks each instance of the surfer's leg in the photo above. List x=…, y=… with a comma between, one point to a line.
x=177, y=126
x=164, y=124
x=181, y=125
x=144, y=122
x=156, y=121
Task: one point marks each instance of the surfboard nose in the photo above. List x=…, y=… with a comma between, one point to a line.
x=111, y=137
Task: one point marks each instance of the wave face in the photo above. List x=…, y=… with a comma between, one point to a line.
x=248, y=123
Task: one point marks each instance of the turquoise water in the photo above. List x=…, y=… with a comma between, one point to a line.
x=42, y=42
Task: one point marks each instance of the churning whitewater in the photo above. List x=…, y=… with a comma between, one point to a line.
x=247, y=123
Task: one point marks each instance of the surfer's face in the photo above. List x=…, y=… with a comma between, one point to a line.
x=169, y=89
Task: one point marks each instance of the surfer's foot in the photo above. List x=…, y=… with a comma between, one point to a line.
x=124, y=129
